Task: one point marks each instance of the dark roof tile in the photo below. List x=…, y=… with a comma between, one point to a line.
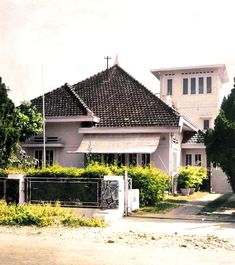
x=60, y=103
x=120, y=100
x=193, y=138
x=115, y=97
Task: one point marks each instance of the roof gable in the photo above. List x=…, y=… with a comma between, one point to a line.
x=115, y=97
x=121, y=101
x=60, y=102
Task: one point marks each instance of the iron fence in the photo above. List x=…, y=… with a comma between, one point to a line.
x=2, y=188
x=72, y=192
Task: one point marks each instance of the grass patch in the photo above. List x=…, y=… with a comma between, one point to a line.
x=224, y=202
x=42, y=216
x=169, y=203
x=178, y=198
x=161, y=207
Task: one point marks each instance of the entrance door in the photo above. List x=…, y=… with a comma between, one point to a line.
x=12, y=191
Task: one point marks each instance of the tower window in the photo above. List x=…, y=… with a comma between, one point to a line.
x=193, y=85
x=185, y=86
x=206, y=124
x=201, y=85
x=208, y=84
x=169, y=87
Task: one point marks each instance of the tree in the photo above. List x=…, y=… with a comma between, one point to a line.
x=16, y=124
x=29, y=121
x=220, y=141
x=9, y=134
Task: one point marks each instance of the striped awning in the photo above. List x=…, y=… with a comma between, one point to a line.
x=119, y=143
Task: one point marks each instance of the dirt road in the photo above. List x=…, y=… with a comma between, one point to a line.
x=128, y=241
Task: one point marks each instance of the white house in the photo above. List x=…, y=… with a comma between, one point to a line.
x=111, y=116
x=195, y=93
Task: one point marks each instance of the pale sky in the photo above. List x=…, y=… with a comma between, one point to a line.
x=71, y=37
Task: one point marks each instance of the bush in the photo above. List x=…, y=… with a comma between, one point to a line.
x=3, y=173
x=151, y=182
x=42, y=215
x=55, y=171
x=96, y=170
x=191, y=176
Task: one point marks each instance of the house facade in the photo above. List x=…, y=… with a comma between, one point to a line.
x=195, y=92
x=112, y=117
x=109, y=116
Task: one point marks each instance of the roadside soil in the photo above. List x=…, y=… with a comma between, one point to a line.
x=175, y=238
x=127, y=241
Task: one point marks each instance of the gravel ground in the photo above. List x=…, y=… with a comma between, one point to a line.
x=128, y=241
x=131, y=237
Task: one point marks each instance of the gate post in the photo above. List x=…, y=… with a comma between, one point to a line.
x=125, y=193
x=20, y=178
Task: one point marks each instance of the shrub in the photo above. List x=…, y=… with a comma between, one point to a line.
x=191, y=176
x=56, y=171
x=3, y=173
x=43, y=215
x=151, y=182
x=96, y=170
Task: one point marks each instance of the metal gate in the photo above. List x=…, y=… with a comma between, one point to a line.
x=2, y=188
x=9, y=190
x=73, y=192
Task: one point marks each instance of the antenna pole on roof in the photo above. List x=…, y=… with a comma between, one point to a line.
x=44, y=123
x=107, y=58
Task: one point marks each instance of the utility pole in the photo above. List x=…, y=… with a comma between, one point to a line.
x=107, y=58
x=44, y=122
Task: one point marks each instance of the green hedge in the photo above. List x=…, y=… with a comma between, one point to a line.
x=55, y=171
x=3, y=173
x=43, y=215
x=151, y=182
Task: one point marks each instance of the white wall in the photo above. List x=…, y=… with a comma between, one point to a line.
x=67, y=134
x=219, y=182
x=197, y=106
x=194, y=152
x=161, y=157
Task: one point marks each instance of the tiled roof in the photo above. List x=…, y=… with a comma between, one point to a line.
x=59, y=103
x=121, y=101
x=193, y=138
x=115, y=97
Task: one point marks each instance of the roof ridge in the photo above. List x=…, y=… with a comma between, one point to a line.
x=90, y=112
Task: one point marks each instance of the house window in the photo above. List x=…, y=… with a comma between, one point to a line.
x=49, y=157
x=132, y=159
x=100, y=158
x=185, y=86
x=208, y=85
x=193, y=85
x=145, y=160
x=39, y=158
x=121, y=159
x=188, y=160
x=109, y=159
x=198, y=160
x=206, y=124
x=201, y=85
x=169, y=87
